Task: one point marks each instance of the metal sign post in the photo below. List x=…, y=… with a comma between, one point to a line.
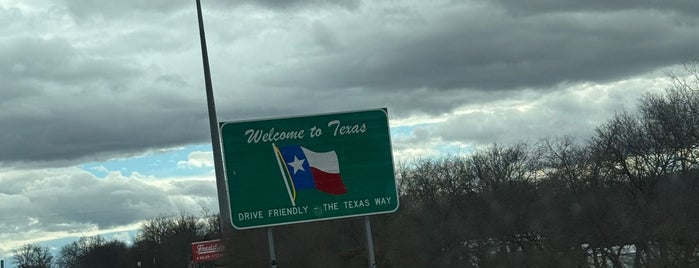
x=224, y=211
x=369, y=242
x=272, y=253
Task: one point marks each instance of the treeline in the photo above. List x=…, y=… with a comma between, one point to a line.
x=163, y=241
x=541, y=220
x=625, y=197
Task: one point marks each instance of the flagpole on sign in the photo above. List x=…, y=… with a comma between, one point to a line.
x=272, y=253
x=224, y=210
x=277, y=154
x=369, y=242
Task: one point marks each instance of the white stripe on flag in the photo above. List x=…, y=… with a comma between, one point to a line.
x=326, y=161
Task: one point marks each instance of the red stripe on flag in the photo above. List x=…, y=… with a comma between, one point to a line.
x=328, y=182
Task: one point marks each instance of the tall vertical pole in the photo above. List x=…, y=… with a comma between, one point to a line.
x=224, y=211
x=272, y=253
x=369, y=242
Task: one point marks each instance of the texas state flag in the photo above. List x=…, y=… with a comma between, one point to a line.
x=309, y=169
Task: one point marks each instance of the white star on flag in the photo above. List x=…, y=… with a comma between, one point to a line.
x=297, y=164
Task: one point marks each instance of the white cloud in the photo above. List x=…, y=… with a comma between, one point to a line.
x=100, y=168
x=574, y=110
x=197, y=159
x=44, y=204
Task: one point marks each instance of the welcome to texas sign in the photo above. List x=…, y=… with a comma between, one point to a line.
x=298, y=169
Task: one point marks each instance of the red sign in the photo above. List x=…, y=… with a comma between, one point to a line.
x=207, y=250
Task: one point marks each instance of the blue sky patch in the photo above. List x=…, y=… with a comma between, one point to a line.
x=166, y=164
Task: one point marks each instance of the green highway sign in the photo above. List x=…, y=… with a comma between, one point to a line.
x=298, y=169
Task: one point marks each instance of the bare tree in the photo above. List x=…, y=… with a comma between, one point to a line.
x=499, y=165
x=568, y=164
x=32, y=256
x=431, y=182
x=166, y=241
x=674, y=118
x=647, y=153
x=93, y=251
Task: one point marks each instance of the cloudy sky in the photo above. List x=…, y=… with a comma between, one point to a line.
x=103, y=117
